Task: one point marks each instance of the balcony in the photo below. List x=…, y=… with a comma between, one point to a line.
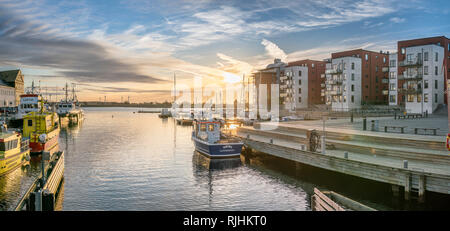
x=385, y=80
x=410, y=90
x=410, y=63
x=322, y=76
x=335, y=92
x=410, y=76
x=385, y=92
x=334, y=81
x=334, y=71
x=322, y=85
x=385, y=69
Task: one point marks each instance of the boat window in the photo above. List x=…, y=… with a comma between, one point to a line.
x=30, y=123
x=211, y=127
x=203, y=127
x=2, y=146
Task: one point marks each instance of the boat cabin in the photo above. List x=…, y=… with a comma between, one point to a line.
x=29, y=103
x=35, y=124
x=208, y=131
x=65, y=107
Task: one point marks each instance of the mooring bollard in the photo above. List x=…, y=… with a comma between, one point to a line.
x=365, y=123
x=248, y=136
x=346, y=155
x=271, y=141
x=395, y=115
x=405, y=164
x=351, y=118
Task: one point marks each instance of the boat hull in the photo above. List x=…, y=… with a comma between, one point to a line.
x=220, y=150
x=52, y=141
x=11, y=163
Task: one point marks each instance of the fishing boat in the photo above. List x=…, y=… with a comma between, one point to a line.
x=165, y=113
x=67, y=109
x=14, y=151
x=211, y=141
x=42, y=129
x=184, y=118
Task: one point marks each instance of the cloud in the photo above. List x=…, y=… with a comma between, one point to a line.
x=273, y=50
x=28, y=44
x=397, y=20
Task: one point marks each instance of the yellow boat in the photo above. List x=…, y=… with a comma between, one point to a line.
x=13, y=151
x=42, y=129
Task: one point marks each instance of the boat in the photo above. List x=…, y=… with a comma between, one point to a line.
x=14, y=151
x=42, y=129
x=211, y=141
x=165, y=113
x=184, y=118
x=67, y=109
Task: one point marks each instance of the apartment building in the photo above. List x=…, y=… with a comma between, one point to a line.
x=422, y=71
x=344, y=83
x=374, y=74
x=393, y=79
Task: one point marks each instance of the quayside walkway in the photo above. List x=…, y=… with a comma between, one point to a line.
x=419, y=163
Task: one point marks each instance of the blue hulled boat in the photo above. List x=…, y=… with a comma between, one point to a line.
x=210, y=141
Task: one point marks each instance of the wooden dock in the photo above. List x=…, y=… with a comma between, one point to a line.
x=412, y=168
x=41, y=194
x=331, y=201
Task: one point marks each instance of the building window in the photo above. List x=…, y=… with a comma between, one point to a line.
x=353, y=76
x=376, y=79
x=409, y=58
x=435, y=84
x=392, y=75
x=435, y=98
x=436, y=57
x=299, y=82
x=353, y=87
x=435, y=70
x=392, y=63
x=425, y=98
x=425, y=70
x=425, y=56
x=312, y=65
x=376, y=68
x=392, y=98
x=392, y=87
x=403, y=50
x=353, y=98
x=299, y=91
x=299, y=99
x=299, y=73
x=419, y=98
x=384, y=59
x=367, y=86
x=367, y=57
x=410, y=98
x=353, y=66
x=425, y=84
x=30, y=123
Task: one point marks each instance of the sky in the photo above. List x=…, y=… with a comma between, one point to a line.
x=134, y=48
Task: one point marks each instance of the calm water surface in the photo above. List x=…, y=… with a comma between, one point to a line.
x=121, y=160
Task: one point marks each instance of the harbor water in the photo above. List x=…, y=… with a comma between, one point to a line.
x=118, y=159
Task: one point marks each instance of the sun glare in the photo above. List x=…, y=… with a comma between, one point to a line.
x=231, y=78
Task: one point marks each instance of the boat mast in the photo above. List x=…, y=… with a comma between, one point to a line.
x=66, y=91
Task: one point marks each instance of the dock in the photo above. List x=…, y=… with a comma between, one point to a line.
x=416, y=163
x=42, y=194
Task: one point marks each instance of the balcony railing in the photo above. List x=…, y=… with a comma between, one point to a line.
x=322, y=76
x=410, y=90
x=334, y=81
x=410, y=76
x=334, y=71
x=406, y=63
x=385, y=80
x=335, y=92
x=385, y=92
